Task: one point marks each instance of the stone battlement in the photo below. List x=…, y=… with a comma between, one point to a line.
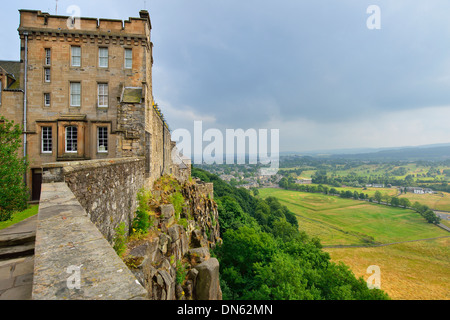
x=37, y=21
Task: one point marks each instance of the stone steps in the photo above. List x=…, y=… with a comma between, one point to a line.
x=17, y=245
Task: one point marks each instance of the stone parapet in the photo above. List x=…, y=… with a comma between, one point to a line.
x=106, y=189
x=73, y=261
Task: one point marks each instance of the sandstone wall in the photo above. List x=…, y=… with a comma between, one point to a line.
x=106, y=189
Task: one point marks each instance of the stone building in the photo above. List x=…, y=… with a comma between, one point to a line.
x=82, y=91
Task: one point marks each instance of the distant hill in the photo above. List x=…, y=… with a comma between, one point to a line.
x=427, y=152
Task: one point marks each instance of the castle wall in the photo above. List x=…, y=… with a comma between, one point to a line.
x=73, y=261
x=106, y=189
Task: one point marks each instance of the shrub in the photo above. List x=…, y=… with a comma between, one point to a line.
x=177, y=200
x=120, y=239
x=13, y=191
x=181, y=272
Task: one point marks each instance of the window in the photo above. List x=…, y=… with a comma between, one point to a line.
x=128, y=58
x=76, y=57
x=102, y=139
x=71, y=139
x=48, y=56
x=47, y=77
x=47, y=99
x=1, y=89
x=103, y=57
x=47, y=140
x=75, y=94
x=103, y=95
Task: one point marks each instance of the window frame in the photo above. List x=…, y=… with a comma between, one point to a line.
x=46, y=140
x=100, y=57
x=103, y=85
x=71, y=94
x=73, y=140
x=104, y=137
x=126, y=59
x=77, y=56
x=47, y=94
x=48, y=57
x=47, y=69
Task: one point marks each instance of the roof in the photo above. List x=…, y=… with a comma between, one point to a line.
x=131, y=95
x=13, y=70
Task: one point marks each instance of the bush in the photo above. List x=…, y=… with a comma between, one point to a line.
x=120, y=239
x=13, y=191
x=177, y=200
x=181, y=272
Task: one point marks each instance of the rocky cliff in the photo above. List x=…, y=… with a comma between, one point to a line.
x=173, y=260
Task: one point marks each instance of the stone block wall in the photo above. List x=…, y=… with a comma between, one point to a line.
x=131, y=126
x=106, y=189
x=73, y=261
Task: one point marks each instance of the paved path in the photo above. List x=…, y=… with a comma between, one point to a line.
x=16, y=275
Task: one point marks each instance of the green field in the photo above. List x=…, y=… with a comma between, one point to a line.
x=339, y=221
x=367, y=170
x=370, y=191
x=436, y=201
x=409, y=270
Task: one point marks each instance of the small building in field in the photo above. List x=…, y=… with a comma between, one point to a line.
x=303, y=181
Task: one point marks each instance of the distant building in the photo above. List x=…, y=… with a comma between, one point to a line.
x=377, y=185
x=418, y=190
x=250, y=185
x=415, y=190
x=227, y=177
x=303, y=181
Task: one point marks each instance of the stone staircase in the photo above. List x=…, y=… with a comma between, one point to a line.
x=17, y=245
x=17, y=260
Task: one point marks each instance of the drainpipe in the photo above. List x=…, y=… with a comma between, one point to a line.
x=163, y=148
x=25, y=101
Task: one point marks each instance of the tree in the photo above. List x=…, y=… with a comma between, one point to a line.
x=13, y=191
x=378, y=196
x=431, y=217
x=405, y=203
x=395, y=202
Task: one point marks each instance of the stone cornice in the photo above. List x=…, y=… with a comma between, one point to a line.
x=83, y=36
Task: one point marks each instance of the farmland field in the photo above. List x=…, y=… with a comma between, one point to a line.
x=437, y=201
x=370, y=191
x=411, y=270
x=338, y=221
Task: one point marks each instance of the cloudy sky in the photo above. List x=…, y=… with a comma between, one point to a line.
x=312, y=69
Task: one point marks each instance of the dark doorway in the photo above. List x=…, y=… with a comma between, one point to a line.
x=36, y=184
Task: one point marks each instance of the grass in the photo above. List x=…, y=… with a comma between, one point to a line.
x=437, y=201
x=339, y=221
x=370, y=191
x=409, y=271
x=20, y=216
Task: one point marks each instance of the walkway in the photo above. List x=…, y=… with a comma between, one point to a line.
x=17, y=260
